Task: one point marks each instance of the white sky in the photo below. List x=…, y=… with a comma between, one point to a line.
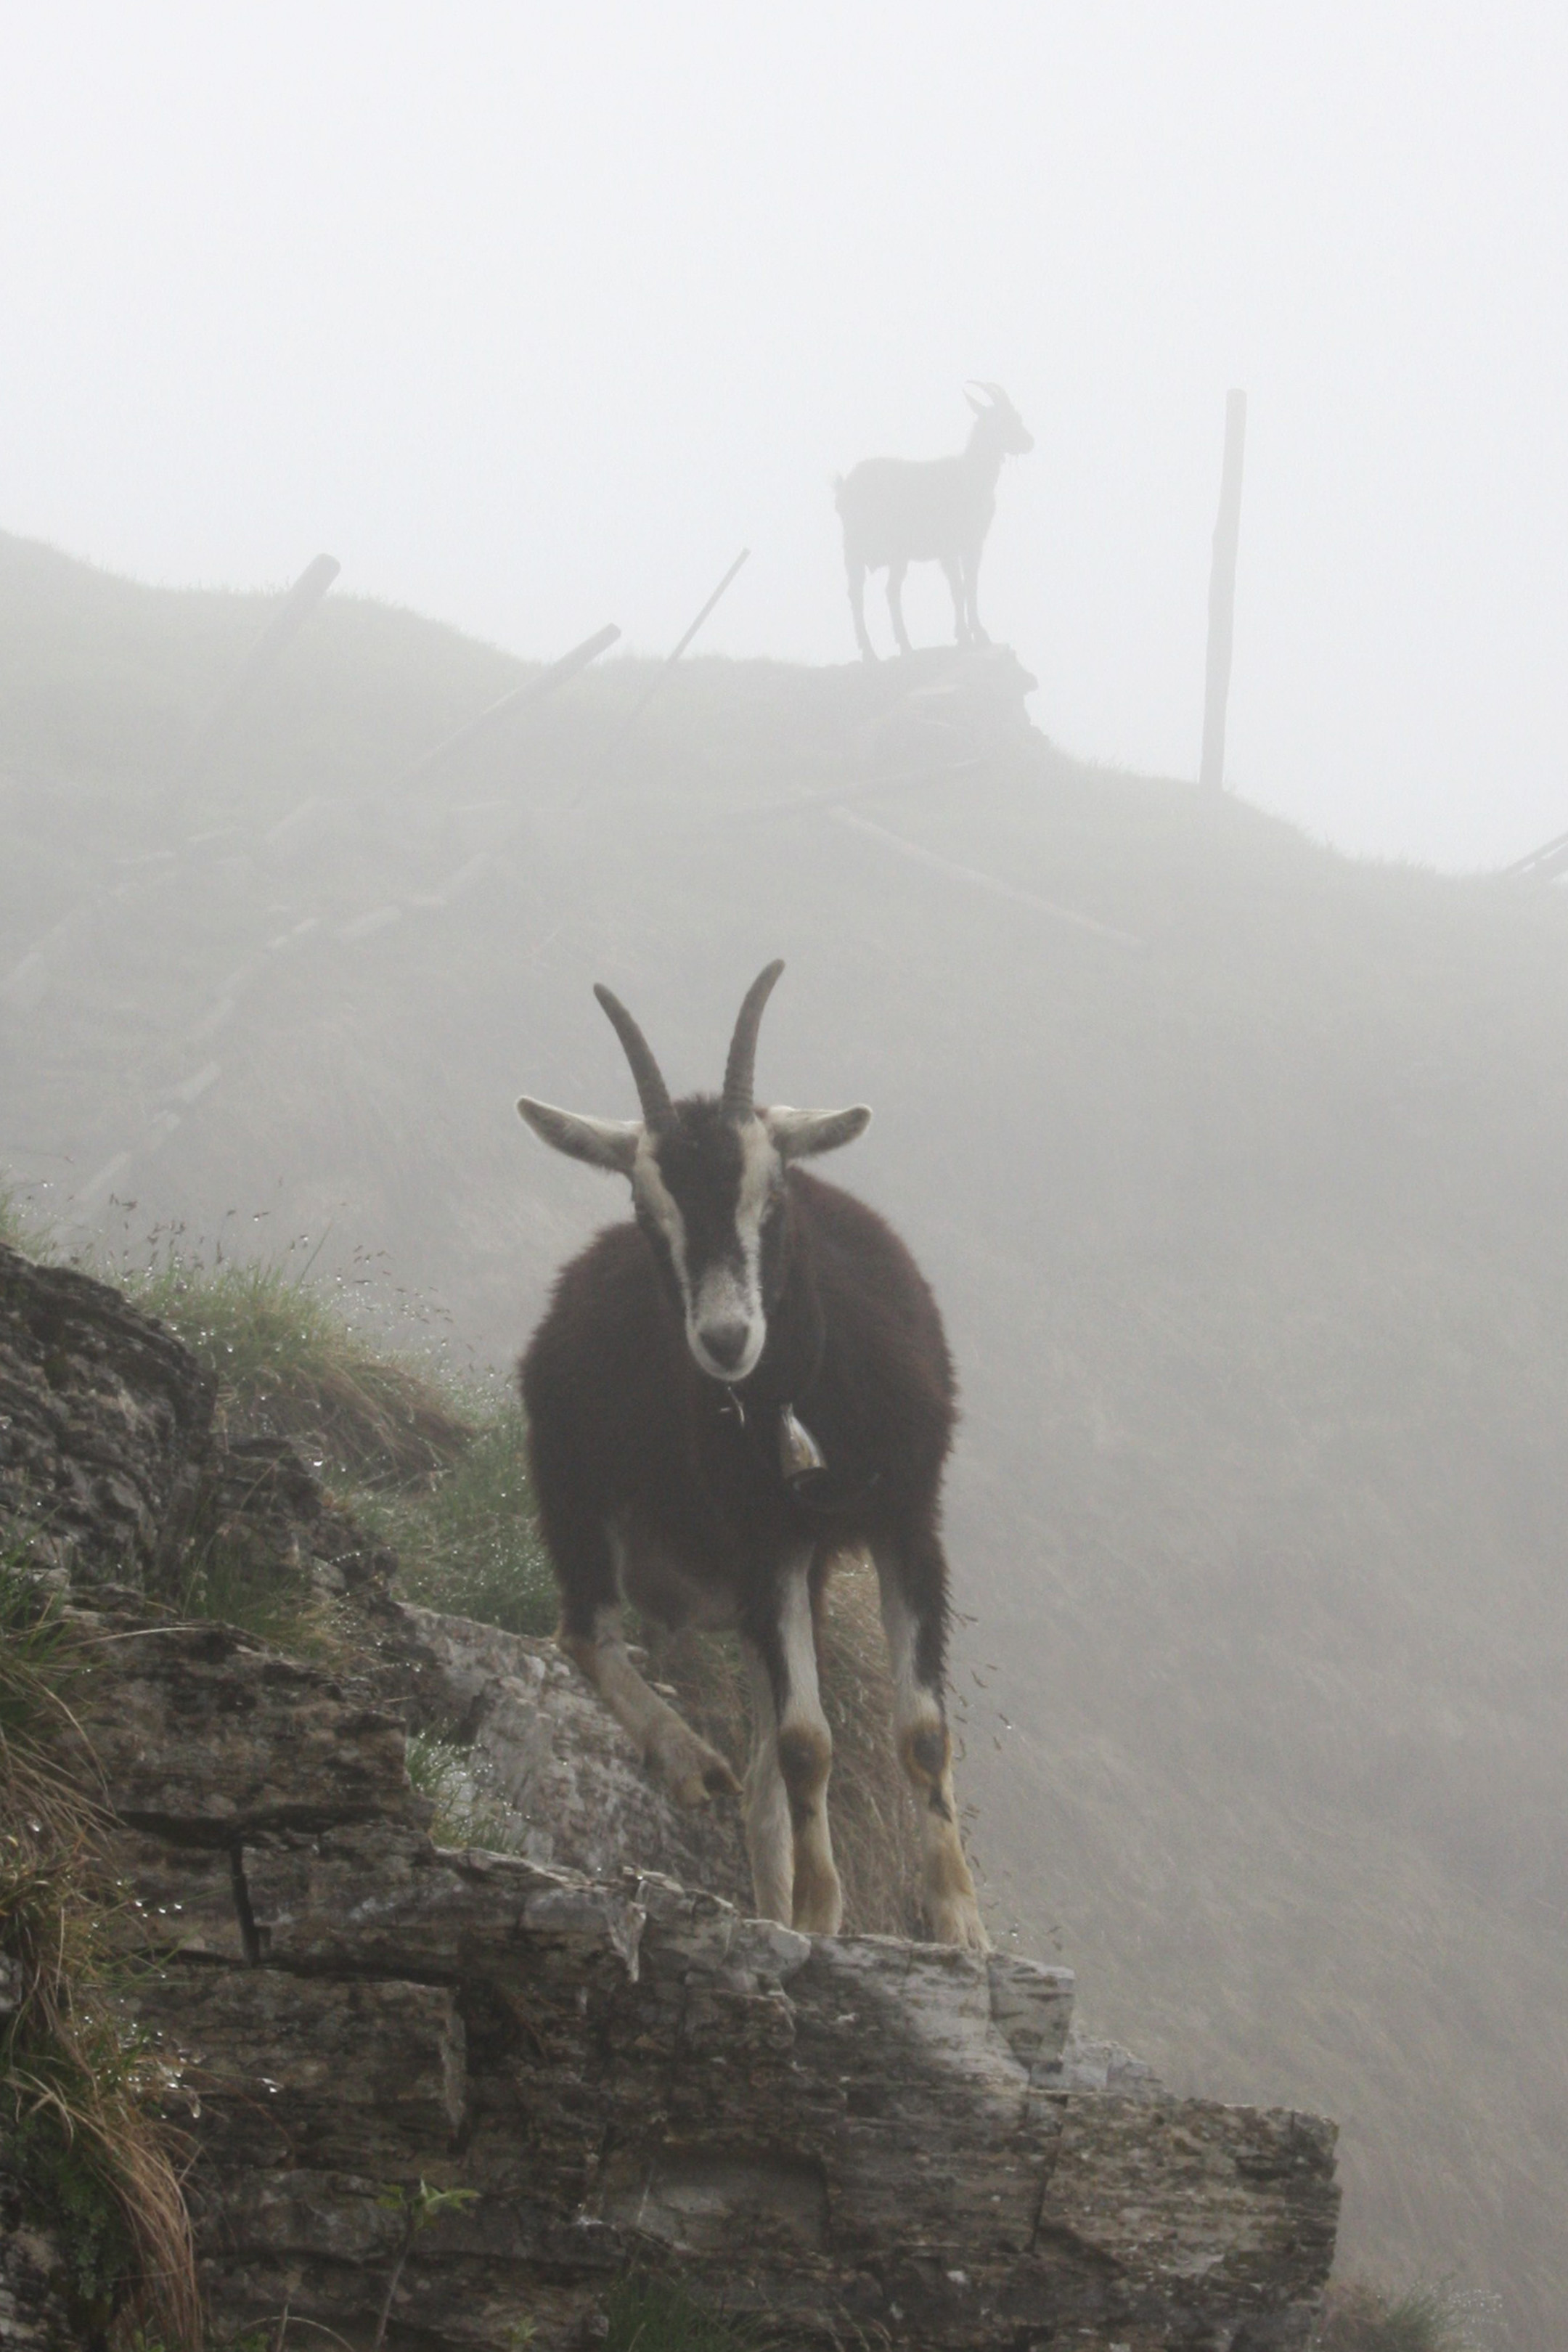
x=533, y=316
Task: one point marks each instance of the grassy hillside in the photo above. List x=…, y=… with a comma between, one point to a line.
x=1249, y=1238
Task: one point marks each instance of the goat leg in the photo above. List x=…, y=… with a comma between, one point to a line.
x=912, y=1577
x=693, y=1772
x=792, y=1723
x=856, y=576
x=896, y=605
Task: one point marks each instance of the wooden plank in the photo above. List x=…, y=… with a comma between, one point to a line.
x=1543, y=864
x=988, y=882
x=661, y=675
x=497, y=713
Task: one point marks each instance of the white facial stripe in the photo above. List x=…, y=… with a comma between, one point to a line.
x=725, y=1295
x=648, y=1184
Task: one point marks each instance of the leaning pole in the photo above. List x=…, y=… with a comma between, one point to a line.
x=1222, y=595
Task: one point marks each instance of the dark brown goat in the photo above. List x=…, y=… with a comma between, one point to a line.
x=724, y=1397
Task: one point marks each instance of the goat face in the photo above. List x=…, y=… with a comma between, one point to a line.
x=707, y=1183
x=1005, y=430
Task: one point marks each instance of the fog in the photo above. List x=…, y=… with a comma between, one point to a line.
x=534, y=317
x=1237, y=1164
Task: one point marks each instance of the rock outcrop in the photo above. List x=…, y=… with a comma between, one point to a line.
x=851, y=2138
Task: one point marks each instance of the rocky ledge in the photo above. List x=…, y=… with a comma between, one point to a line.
x=853, y=2139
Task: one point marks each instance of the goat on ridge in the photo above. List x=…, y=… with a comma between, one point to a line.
x=901, y=510
x=724, y=1396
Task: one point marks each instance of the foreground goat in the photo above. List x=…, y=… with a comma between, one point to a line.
x=901, y=510
x=721, y=1398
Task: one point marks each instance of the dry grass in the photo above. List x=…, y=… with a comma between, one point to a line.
x=81, y=2092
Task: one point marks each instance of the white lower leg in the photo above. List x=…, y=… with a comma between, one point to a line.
x=925, y=1750
x=694, y=1772
x=769, y=1843
x=804, y=1747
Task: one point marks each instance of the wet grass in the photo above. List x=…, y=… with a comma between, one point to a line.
x=292, y=1361
x=80, y=2089
x=1360, y=2317
x=466, y=1538
x=659, y=2315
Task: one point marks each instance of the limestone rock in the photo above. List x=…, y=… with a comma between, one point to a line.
x=34, y=2316
x=852, y=2138
x=104, y=1419
x=561, y=1780
x=203, y=1733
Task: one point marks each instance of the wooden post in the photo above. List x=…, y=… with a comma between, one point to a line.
x=290, y=616
x=519, y=699
x=661, y=675
x=1222, y=595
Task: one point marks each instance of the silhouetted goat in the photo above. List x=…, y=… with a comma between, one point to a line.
x=902, y=510
x=722, y=1397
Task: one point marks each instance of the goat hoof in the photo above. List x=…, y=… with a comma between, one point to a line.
x=718, y=1780
x=955, y=1919
x=696, y=1774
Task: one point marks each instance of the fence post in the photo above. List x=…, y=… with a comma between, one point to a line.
x=287, y=618
x=661, y=676
x=497, y=713
x=1222, y=595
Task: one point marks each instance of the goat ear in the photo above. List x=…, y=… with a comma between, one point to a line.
x=979, y=406
x=601, y=1142
x=800, y=1134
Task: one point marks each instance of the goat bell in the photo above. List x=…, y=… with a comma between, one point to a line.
x=799, y=1453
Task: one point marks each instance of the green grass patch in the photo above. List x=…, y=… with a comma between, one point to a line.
x=240, y=1582
x=464, y=1816
x=468, y=1540
x=659, y=2315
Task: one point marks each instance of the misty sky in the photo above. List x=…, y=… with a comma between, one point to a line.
x=533, y=316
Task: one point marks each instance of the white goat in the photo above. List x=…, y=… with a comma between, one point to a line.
x=900, y=510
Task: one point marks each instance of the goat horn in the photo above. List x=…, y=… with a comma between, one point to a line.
x=740, y=1067
x=990, y=390
x=658, y=1110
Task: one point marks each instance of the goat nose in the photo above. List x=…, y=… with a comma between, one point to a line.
x=726, y=1342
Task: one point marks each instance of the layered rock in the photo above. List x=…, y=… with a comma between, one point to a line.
x=104, y=1424
x=851, y=2138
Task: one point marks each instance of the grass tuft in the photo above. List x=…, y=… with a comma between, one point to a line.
x=290, y=1364
x=464, y=1816
x=80, y=2090
x=661, y=2314
x=21, y=1227
x=1358, y=2316
x=468, y=1540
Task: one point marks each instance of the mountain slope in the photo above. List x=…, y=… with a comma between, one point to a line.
x=1248, y=1235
